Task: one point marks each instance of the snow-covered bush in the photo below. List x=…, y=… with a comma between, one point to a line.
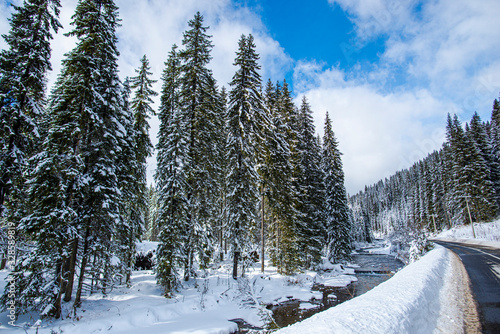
x=409, y=245
x=419, y=246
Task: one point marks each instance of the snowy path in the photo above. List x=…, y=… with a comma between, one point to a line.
x=483, y=265
x=428, y=296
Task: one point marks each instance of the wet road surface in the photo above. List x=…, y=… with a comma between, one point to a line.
x=483, y=266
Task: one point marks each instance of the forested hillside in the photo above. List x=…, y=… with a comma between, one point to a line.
x=456, y=185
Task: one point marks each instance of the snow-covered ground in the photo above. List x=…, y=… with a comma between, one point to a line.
x=421, y=298
x=205, y=305
x=486, y=233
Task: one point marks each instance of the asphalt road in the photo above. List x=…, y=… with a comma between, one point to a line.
x=483, y=266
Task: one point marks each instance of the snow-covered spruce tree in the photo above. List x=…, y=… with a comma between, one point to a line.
x=216, y=165
x=171, y=180
x=481, y=140
x=200, y=115
x=278, y=172
x=338, y=239
x=95, y=27
x=310, y=189
x=73, y=188
x=127, y=183
x=494, y=136
x=23, y=67
x=136, y=188
x=264, y=169
x=220, y=248
x=245, y=116
x=141, y=85
x=470, y=177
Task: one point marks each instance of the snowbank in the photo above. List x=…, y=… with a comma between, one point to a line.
x=487, y=234
x=415, y=300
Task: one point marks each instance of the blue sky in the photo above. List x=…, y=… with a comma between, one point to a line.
x=315, y=31
x=388, y=72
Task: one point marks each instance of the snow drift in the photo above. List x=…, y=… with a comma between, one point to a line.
x=416, y=300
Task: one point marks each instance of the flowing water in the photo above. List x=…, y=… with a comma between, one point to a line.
x=372, y=270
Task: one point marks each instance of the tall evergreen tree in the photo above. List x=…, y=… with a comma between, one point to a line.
x=470, y=175
x=141, y=106
x=23, y=68
x=338, y=241
x=479, y=137
x=137, y=204
x=245, y=114
x=310, y=188
x=171, y=179
x=283, y=235
x=494, y=135
x=73, y=190
x=199, y=115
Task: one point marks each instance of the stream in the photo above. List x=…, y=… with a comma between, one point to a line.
x=373, y=269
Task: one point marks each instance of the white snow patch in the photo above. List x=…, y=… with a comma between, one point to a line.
x=308, y=306
x=339, y=281
x=406, y=303
x=146, y=246
x=487, y=234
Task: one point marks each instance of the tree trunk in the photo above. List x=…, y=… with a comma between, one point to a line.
x=82, y=271
x=130, y=256
x=235, y=264
x=71, y=274
x=188, y=266
x=262, y=236
x=56, y=311
x=221, y=231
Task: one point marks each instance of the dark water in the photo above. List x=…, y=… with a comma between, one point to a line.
x=373, y=270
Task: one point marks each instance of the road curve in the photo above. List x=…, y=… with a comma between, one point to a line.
x=483, y=266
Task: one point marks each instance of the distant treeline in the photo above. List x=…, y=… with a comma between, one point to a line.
x=452, y=186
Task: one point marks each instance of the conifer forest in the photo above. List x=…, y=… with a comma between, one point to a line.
x=241, y=175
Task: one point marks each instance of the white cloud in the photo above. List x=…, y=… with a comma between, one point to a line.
x=374, y=17
x=226, y=34
x=5, y=11
x=440, y=45
x=446, y=56
x=378, y=133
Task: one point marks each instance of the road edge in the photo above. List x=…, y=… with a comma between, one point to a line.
x=457, y=284
x=479, y=242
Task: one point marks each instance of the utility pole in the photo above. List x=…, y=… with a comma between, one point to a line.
x=470, y=217
x=434, y=221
